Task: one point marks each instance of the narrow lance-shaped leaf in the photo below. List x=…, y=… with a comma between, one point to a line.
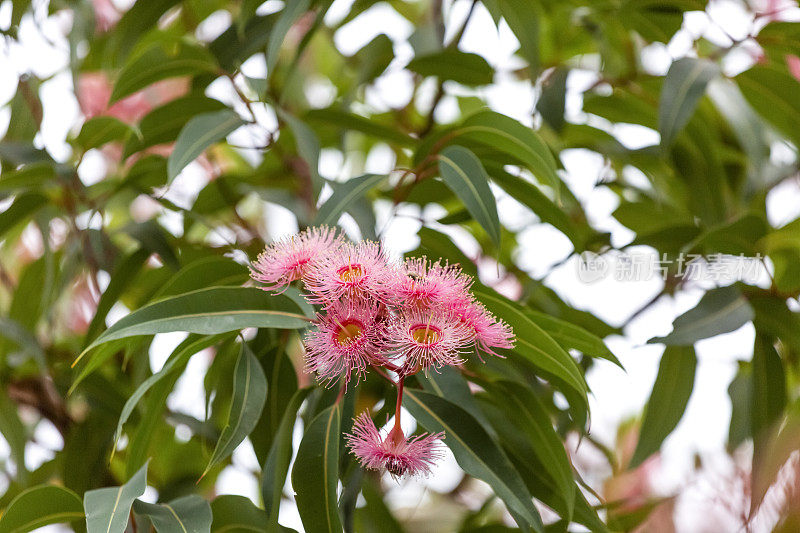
x=41, y=506
x=683, y=87
x=528, y=411
x=189, y=514
x=570, y=336
x=720, y=311
x=163, y=124
x=466, y=177
x=316, y=472
x=13, y=431
x=214, y=271
x=449, y=383
x=101, y=130
x=107, y=509
x=208, y=311
x=769, y=387
x=766, y=417
x=24, y=206
x=307, y=146
x=198, y=134
x=276, y=466
x=343, y=197
x=156, y=64
x=772, y=91
x=534, y=344
x=291, y=12
x=515, y=140
x=177, y=359
x=237, y=513
x=249, y=395
x=17, y=333
x=462, y=67
x=474, y=450
x=124, y=273
x=668, y=400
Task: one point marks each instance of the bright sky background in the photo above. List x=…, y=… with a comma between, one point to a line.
x=617, y=395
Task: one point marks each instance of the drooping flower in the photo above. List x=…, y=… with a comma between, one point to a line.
x=288, y=259
x=425, y=338
x=423, y=283
x=351, y=271
x=347, y=338
x=490, y=332
x=395, y=453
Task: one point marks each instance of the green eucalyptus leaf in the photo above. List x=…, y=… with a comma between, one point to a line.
x=684, y=85
x=276, y=467
x=177, y=360
x=534, y=344
x=668, y=400
x=307, y=146
x=528, y=411
x=15, y=434
x=41, y=506
x=572, y=337
x=466, y=177
x=23, y=207
x=721, y=310
x=237, y=513
x=344, y=196
x=164, y=123
x=288, y=16
x=121, y=278
x=198, y=134
x=341, y=119
x=156, y=64
x=208, y=311
x=772, y=91
x=513, y=139
x=454, y=65
x=107, y=509
x=316, y=472
x=474, y=450
x=189, y=514
x=101, y=130
x=249, y=395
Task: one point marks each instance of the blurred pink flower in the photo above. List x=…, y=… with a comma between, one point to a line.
x=398, y=455
x=347, y=339
x=94, y=91
x=106, y=15
x=287, y=260
x=793, y=62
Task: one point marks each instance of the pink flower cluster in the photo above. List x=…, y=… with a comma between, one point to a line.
x=402, y=318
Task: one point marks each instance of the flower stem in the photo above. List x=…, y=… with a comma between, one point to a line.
x=399, y=405
x=342, y=390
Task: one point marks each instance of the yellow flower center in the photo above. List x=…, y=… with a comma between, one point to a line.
x=350, y=273
x=348, y=332
x=426, y=334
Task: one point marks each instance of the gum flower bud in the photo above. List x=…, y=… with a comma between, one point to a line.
x=395, y=454
x=351, y=271
x=346, y=340
x=287, y=260
x=423, y=283
x=426, y=338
